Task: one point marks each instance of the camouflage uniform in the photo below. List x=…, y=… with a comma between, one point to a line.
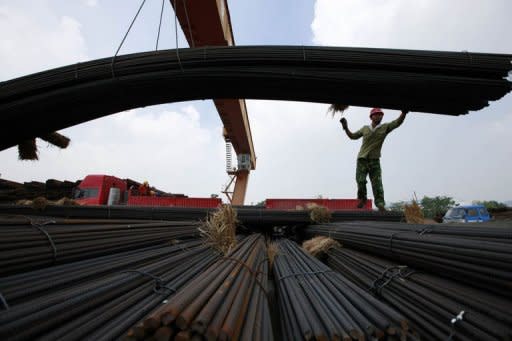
x=368, y=159
x=370, y=167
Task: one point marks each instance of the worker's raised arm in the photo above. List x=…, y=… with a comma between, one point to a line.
x=344, y=124
x=398, y=122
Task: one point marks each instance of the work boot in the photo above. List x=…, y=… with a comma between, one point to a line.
x=382, y=209
x=361, y=203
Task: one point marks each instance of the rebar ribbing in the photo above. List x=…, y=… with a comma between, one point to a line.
x=484, y=263
x=104, y=303
x=317, y=303
x=450, y=83
x=228, y=301
x=43, y=242
x=428, y=301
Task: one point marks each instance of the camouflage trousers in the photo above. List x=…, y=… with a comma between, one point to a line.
x=370, y=167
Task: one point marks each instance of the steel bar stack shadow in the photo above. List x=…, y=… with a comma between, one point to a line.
x=478, y=262
x=317, y=303
x=228, y=301
x=97, y=299
x=428, y=301
x=248, y=216
x=35, y=242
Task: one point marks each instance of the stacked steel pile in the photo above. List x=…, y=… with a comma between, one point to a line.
x=100, y=298
x=476, y=261
x=319, y=304
x=228, y=301
x=426, y=81
x=32, y=243
x=428, y=301
x=249, y=216
x=11, y=191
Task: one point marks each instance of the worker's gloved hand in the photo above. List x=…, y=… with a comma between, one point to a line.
x=343, y=122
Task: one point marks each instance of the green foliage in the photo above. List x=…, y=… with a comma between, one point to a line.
x=436, y=206
x=261, y=203
x=397, y=206
x=491, y=205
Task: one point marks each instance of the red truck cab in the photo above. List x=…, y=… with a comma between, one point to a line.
x=95, y=189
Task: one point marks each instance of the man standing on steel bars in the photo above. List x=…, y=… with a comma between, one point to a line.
x=368, y=159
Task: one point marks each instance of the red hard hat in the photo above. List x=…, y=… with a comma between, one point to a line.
x=376, y=111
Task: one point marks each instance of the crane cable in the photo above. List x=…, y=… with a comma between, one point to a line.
x=125, y=35
x=176, y=34
x=159, y=25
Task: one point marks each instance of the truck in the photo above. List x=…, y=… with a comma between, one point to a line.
x=467, y=214
x=101, y=189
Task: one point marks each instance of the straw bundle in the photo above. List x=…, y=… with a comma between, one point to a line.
x=56, y=139
x=413, y=213
x=24, y=202
x=64, y=201
x=272, y=252
x=335, y=108
x=318, y=246
x=219, y=229
x=318, y=214
x=27, y=150
x=39, y=203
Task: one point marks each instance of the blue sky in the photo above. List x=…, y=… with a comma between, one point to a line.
x=301, y=151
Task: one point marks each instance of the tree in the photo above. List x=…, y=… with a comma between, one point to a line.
x=437, y=206
x=397, y=206
x=260, y=203
x=492, y=205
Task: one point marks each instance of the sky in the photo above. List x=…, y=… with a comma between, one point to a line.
x=301, y=151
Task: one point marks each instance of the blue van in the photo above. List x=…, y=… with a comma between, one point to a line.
x=467, y=214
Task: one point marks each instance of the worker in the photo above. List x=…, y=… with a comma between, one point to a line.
x=368, y=159
x=144, y=188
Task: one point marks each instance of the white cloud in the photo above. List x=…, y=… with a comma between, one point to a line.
x=28, y=45
x=457, y=25
x=91, y=3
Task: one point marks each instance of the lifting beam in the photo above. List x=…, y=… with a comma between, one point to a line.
x=207, y=23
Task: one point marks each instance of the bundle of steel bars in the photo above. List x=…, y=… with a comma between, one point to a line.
x=431, y=303
x=37, y=243
x=247, y=216
x=478, y=262
x=226, y=302
x=450, y=83
x=99, y=299
x=319, y=304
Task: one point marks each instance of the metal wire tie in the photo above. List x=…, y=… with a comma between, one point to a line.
x=39, y=226
x=158, y=282
x=4, y=301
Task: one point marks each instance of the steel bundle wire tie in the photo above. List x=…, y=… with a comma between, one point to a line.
x=158, y=282
x=453, y=322
x=388, y=275
x=295, y=274
x=39, y=226
x=4, y=301
x=419, y=232
x=251, y=271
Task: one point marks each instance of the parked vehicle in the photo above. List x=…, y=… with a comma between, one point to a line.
x=99, y=189
x=467, y=214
